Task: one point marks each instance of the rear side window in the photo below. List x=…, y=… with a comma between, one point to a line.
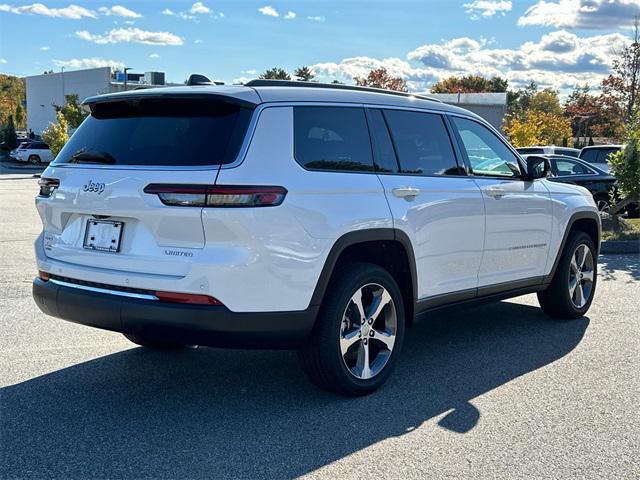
x=332, y=138
x=384, y=155
x=159, y=132
x=422, y=143
x=529, y=151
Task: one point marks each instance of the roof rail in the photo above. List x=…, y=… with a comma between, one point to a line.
x=336, y=86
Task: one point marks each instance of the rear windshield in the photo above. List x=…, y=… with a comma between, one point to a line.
x=159, y=132
x=597, y=155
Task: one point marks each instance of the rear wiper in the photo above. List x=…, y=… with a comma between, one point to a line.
x=92, y=157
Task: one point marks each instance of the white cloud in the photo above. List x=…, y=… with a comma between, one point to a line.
x=199, y=8
x=131, y=35
x=487, y=8
x=241, y=80
x=250, y=72
x=119, y=11
x=167, y=11
x=88, y=63
x=73, y=12
x=45, y=48
x=198, y=42
x=559, y=60
x=269, y=11
x=2, y=60
x=583, y=14
x=317, y=18
x=290, y=15
x=154, y=55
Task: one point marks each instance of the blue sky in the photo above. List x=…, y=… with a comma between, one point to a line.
x=559, y=43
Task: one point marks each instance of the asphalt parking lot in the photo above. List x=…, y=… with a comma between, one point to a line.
x=500, y=391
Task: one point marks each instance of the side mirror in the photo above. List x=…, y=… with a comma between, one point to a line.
x=537, y=167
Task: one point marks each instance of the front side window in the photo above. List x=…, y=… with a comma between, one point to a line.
x=422, y=143
x=488, y=155
x=568, y=167
x=332, y=138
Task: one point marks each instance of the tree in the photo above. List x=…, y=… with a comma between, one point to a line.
x=19, y=116
x=12, y=94
x=546, y=101
x=56, y=134
x=470, y=84
x=275, y=73
x=9, y=134
x=518, y=101
x=380, y=78
x=304, y=74
x=538, y=128
x=625, y=164
x=73, y=113
x=594, y=115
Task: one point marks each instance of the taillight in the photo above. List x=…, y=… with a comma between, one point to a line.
x=44, y=276
x=224, y=196
x=187, y=298
x=48, y=186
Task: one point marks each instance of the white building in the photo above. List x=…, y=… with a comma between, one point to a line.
x=45, y=91
x=490, y=106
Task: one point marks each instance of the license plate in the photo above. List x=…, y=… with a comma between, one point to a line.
x=103, y=235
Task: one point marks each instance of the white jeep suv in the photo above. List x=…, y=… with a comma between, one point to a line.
x=298, y=215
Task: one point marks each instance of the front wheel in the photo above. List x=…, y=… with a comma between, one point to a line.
x=359, y=332
x=34, y=159
x=574, y=284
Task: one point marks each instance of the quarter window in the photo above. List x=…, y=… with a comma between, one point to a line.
x=332, y=138
x=488, y=155
x=384, y=155
x=422, y=143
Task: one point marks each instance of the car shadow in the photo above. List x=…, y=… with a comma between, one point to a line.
x=252, y=414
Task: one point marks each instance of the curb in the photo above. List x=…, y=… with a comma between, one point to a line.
x=620, y=246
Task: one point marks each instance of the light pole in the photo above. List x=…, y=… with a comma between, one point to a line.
x=126, y=69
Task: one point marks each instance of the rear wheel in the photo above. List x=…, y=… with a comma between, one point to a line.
x=602, y=203
x=151, y=343
x=571, y=291
x=34, y=159
x=359, y=332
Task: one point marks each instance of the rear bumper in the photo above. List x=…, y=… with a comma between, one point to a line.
x=214, y=326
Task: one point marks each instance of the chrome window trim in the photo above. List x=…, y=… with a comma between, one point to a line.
x=103, y=290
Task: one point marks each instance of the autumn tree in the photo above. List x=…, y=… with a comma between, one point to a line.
x=539, y=128
x=9, y=134
x=470, y=84
x=594, y=115
x=275, y=73
x=547, y=101
x=380, y=78
x=56, y=134
x=72, y=111
x=304, y=74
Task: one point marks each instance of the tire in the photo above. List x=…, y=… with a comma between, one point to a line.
x=151, y=343
x=34, y=159
x=339, y=329
x=557, y=300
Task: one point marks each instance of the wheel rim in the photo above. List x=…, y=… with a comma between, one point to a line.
x=368, y=331
x=602, y=205
x=581, y=276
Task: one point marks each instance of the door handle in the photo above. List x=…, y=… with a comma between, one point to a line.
x=495, y=192
x=408, y=193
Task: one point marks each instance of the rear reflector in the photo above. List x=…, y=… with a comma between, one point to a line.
x=187, y=298
x=48, y=186
x=44, y=276
x=224, y=196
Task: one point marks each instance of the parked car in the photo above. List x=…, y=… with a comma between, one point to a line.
x=567, y=169
x=33, y=152
x=4, y=146
x=299, y=215
x=549, y=150
x=598, y=155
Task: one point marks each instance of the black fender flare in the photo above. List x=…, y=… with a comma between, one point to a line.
x=362, y=236
x=584, y=215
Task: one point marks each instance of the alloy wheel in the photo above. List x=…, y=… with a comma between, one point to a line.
x=368, y=331
x=581, y=276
